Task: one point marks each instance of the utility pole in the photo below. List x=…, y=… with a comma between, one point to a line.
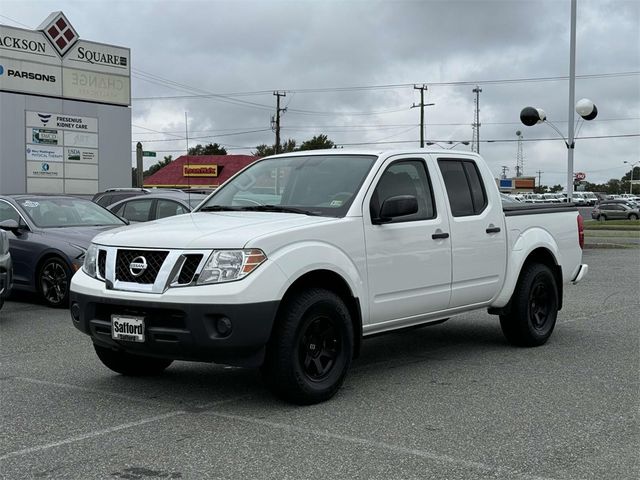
x=539, y=178
x=519, y=156
x=186, y=131
x=422, y=105
x=505, y=169
x=139, y=166
x=476, y=123
x=275, y=124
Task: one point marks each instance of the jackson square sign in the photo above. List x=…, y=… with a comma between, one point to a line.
x=53, y=61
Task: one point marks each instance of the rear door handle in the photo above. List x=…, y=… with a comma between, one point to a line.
x=439, y=236
x=493, y=230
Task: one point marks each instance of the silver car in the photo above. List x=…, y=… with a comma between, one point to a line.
x=6, y=269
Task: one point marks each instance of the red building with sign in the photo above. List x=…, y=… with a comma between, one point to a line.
x=199, y=171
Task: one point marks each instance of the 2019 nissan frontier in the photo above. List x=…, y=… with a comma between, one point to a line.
x=298, y=257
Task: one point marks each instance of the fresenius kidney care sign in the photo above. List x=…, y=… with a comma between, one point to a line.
x=65, y=118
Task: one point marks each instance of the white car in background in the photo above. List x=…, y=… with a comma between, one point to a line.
x=551, y=198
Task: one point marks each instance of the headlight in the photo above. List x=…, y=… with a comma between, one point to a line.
x=229, y=265
x=90, y=261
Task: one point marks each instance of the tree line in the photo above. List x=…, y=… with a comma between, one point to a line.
x=613, y=186
x=315, y=143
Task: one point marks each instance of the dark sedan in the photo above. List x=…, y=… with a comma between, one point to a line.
x=153, y=206
x=48, y=238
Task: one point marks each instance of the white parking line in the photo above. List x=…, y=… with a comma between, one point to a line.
x=95, y=433
x=396, y=449
x=94, y=390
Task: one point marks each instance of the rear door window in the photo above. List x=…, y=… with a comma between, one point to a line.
x=465, y=189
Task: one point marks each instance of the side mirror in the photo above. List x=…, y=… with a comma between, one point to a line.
x=10, y=225
x=398, y=206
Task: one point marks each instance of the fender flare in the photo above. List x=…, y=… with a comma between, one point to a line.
x=535, y=239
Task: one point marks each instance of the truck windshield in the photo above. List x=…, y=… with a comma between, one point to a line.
x=308, y=184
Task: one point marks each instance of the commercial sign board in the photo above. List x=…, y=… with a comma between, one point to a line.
x=24, y=76
x=527, y=182
x=579, y=176
x=54, y=61
x=44, y=136
x=81, y=155
x=80, y=139
x=45, y=169
x=506, y=183
x=61, y=120
x=98, y=57
x=21, y=44
x=210, y=170
x=99, y=87
x=44, y=153
x=61, y=153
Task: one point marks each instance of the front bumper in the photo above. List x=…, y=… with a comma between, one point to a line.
x=580, y=274
x=181, y=331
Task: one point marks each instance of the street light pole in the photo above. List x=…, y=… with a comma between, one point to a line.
x=572, y=99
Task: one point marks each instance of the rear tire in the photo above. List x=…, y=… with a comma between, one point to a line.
x=534, y=308
x=129, y=364
x=310, y=349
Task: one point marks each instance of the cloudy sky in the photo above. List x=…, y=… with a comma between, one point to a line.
x=348, y=70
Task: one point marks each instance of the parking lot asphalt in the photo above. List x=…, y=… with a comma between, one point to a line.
x=450, y=401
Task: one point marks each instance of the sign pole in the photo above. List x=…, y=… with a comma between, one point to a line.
x=139, y=167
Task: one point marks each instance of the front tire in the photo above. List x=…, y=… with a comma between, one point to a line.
x=602, y=218
x=633, y=216
x=311, y=348
x=54, y=277
x=534, y=308
x=129, y=364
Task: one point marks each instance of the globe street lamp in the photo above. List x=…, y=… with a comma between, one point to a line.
x=530, y=116
x=633, y=166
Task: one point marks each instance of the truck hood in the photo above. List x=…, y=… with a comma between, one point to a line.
x=206, y=230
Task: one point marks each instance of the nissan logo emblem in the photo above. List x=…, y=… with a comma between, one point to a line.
x=138, y=266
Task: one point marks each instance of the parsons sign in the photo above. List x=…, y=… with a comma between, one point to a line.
x=53, y=61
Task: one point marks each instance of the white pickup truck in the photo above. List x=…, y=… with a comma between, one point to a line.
x=294, y=260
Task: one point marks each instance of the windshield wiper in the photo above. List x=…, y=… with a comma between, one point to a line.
x=278, y=208
x=219, y=208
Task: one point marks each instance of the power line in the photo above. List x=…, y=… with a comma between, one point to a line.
x=506, y=140
x=390, y=86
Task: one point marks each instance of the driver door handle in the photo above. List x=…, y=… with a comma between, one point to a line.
x=493, y=230
x=439, y=236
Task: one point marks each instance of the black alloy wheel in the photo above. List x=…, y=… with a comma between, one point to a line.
x=539, y=305
x=319, y=347
x=53, y=280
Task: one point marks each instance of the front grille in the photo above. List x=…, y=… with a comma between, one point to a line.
x=189, y=268
x=153, y=258
x=102, y=263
